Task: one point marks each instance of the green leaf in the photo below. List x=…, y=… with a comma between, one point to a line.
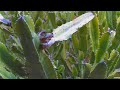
x=47, y=66
x=45, y=62
x=116, y=40
x=56, y=63
x=117, y=72
x=75, y=42
x=74, y=71
x=41, y=14
x=36, y=40
x=61, y=69
x=80, y=59
x=94, y=34
x=33, y=66
x=63, y=52
x=63, y=55
x=118, y=48
x=6, y=31
x=83, y=39
x=30, y=23
x=114, y=74
x=118, y=31
x=15, y=49
x=113, y=54
x=114, y=18
x=87, y=69
x=69, y=16
x=61, y=72
x=113, y=65
x=106, y=57
x=58, y=51
x=99, y=71
x=37, y=14
x=101, y=17
x=81, y=12
x=117, y=63
x=9, y=61
x=16, y=40
x=52, y=18
x=13, y=15
x=89, y=66
x=6, y=74
x=111, y=19
x=59, y=22
x=111, y=75
x=103, y=46
x=38, y=25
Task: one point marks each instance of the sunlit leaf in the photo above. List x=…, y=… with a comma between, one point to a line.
x=94, y=33
x=103, y=46
x=65, y=31
x=6, y=74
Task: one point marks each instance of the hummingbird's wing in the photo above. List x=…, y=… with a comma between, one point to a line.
x=65, y=31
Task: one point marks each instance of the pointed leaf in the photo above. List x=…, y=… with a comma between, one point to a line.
x=99, y=71
x=6, y=75
x=9, y=61
x=83, y=39
x=111, y=19
x=52, y=18
x=94, y=33
x=38, y=25
x=40, y=66
x=87, y=69
x=103, y=46
x=75, y=42
x=29, y=22
x=65, y=31
x=74, y=71
x=101, y=17
x=30, y=52
x=47, y=66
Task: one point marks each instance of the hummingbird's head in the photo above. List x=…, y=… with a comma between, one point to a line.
x=45, y=38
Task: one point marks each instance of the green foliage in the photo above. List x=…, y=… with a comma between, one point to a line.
x=103, y=46
x=94, y=33
x=111, y=19
x=9, y=62
x=91, y=52
x=30, y=52
x=99, y=72
x=52, y=19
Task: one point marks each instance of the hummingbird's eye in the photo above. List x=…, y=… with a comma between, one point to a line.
x=42, y=34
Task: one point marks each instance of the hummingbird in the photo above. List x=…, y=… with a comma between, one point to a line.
x=64, y=31
x=44, y=38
